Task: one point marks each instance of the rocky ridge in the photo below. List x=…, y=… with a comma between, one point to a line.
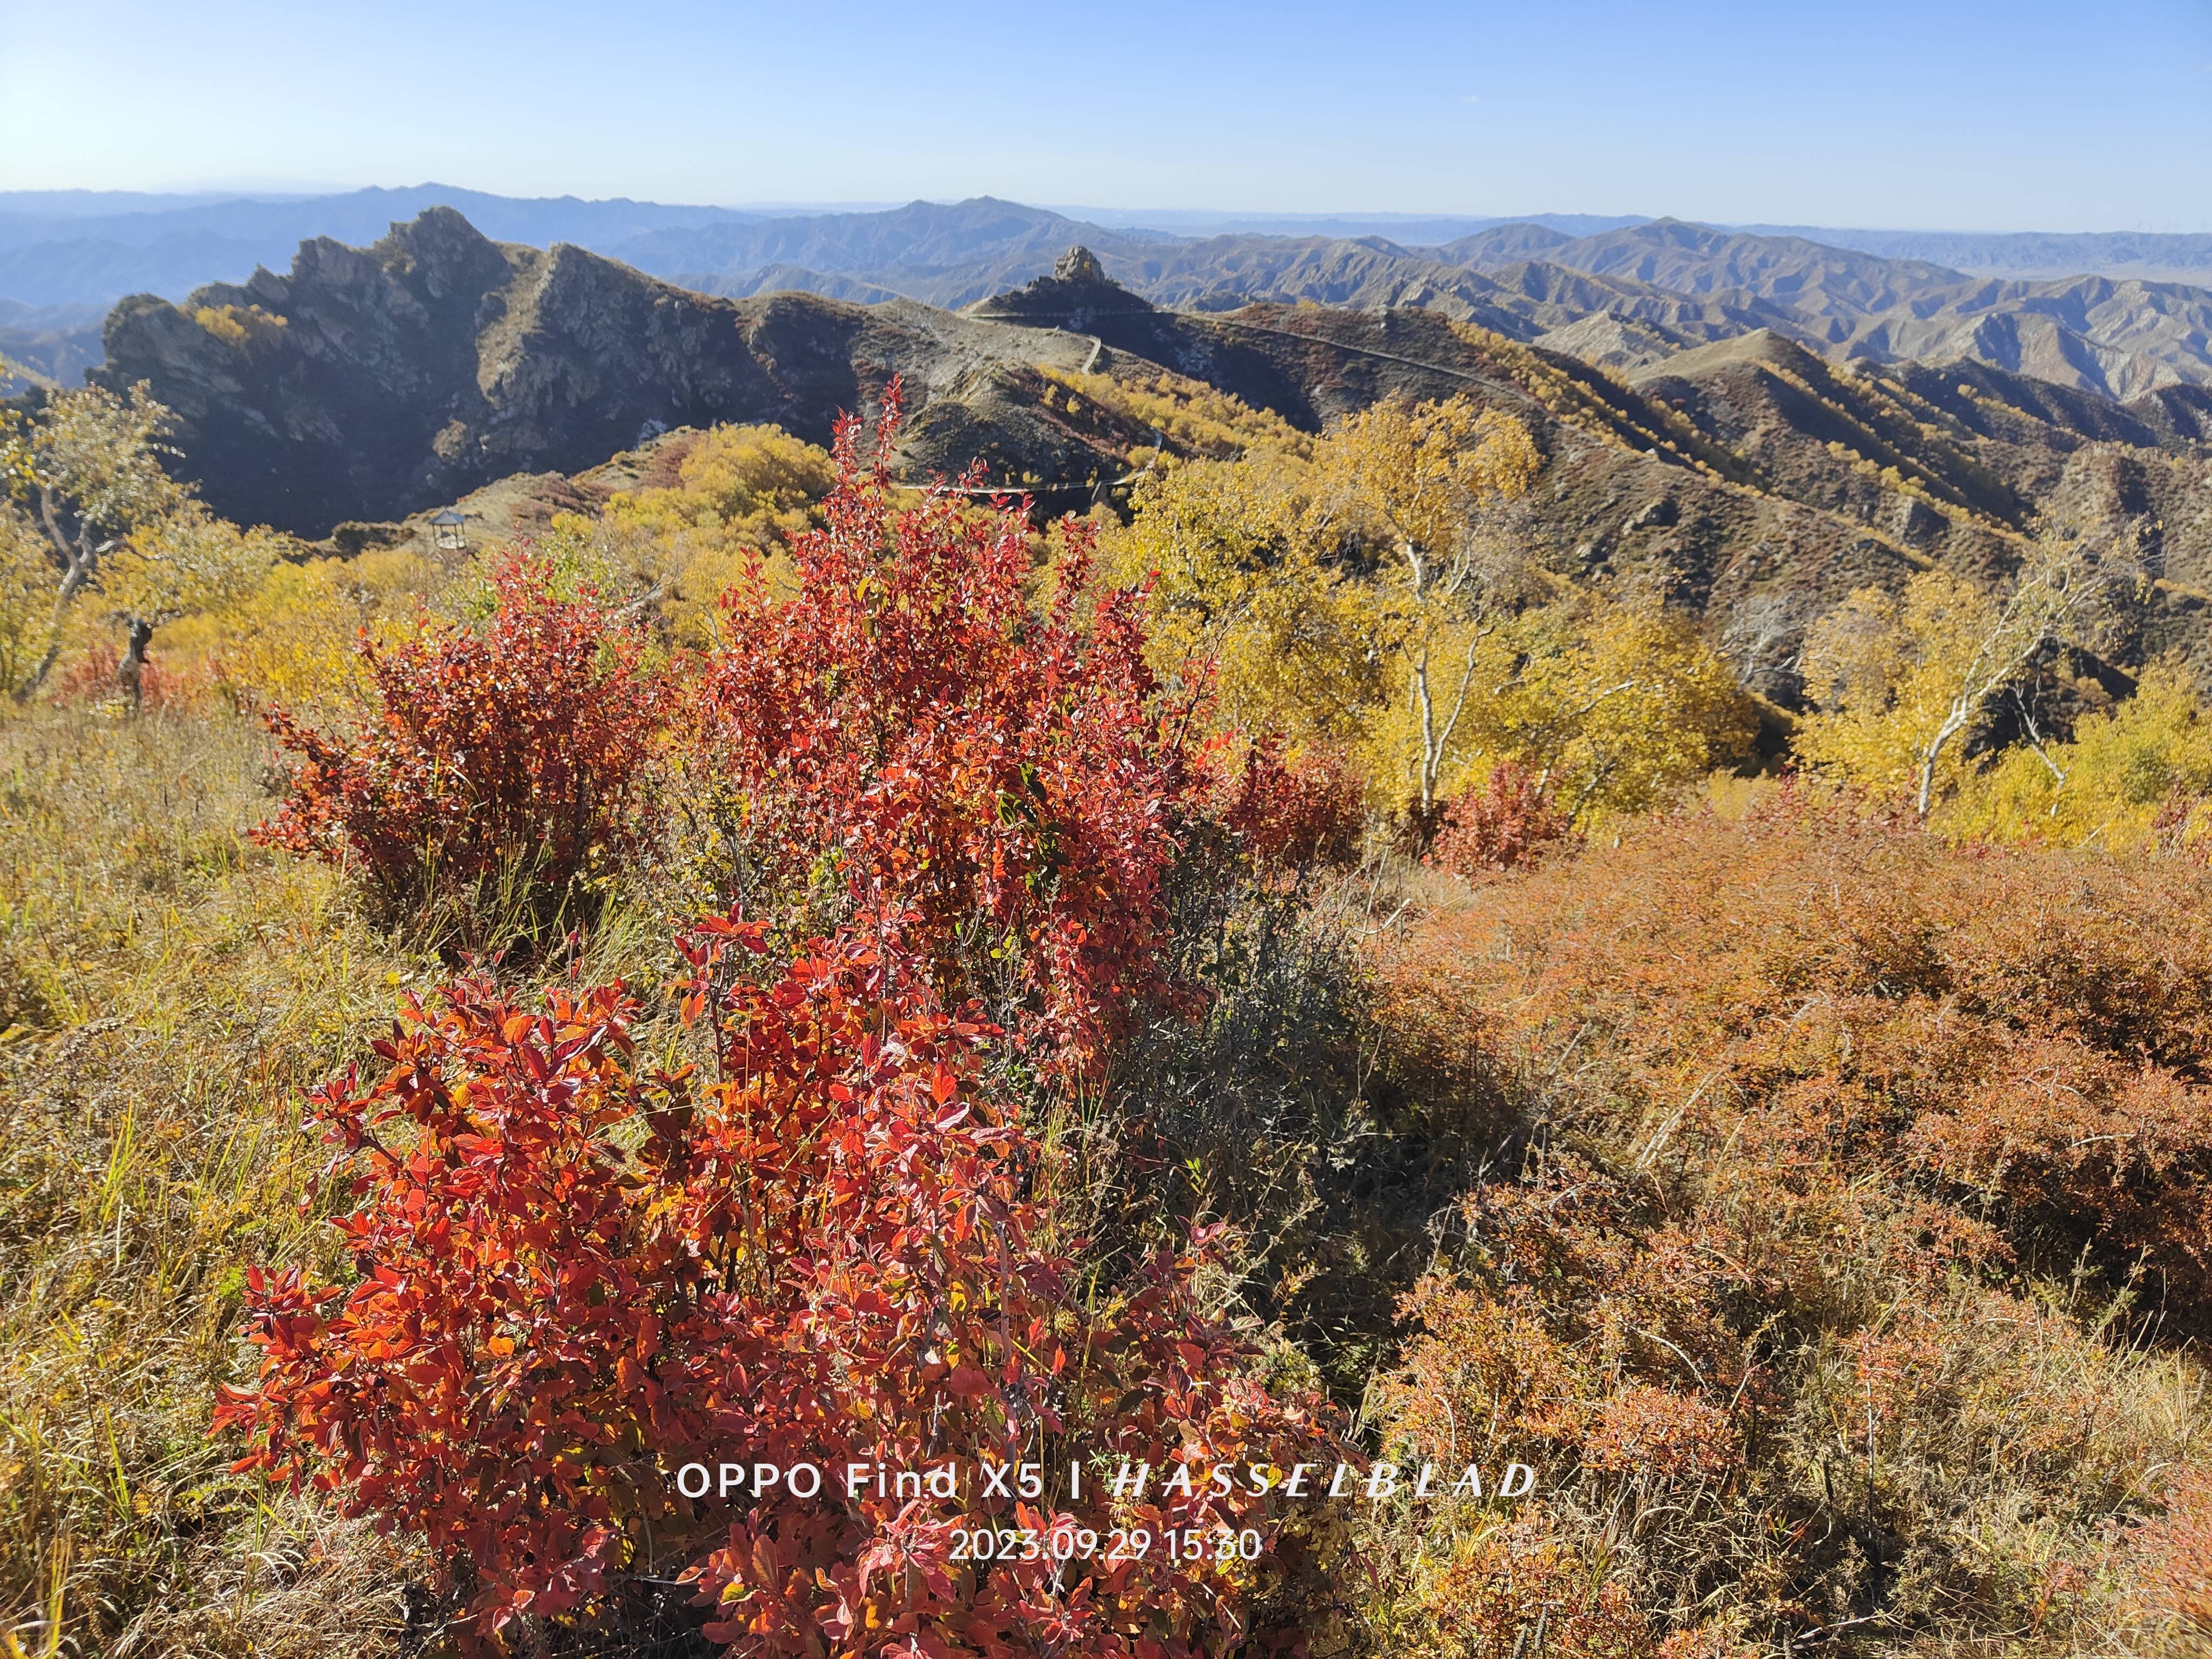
x=1743, y=475
x=367, y=384
x=2126, y=327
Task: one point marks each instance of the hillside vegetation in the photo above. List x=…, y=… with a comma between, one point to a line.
x=754, y=953
x=1747, y=481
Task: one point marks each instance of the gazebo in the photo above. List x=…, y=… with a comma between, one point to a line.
x=449, y=530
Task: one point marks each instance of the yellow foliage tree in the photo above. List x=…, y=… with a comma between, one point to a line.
x=1613, y=709
x=2123, y=772
x=752, y=486
x=26, y=598
x=187, y=563
x=1899, y=681
x=87, y=463
x=1241, y=587
x=739, y=493
x=672, y=545
x=1193, y=416
x=293, y=639
x=1413, y=487
x=1371, y=597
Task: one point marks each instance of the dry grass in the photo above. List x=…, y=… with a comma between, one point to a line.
x=169, y=989
x=1946, y=1463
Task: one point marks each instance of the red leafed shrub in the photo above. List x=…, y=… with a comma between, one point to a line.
x=577, y=1275
x=1011, y=777
x=1288, y=814
x=519, y=746
x=1500, y=826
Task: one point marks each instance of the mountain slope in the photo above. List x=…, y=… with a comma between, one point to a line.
x=1690, y=259
x=1688, y=281
x=370, y=383
x=1735, y=471
x=55, y=343
x=2119, y=338
x=1749, y=479
x=1676, y=283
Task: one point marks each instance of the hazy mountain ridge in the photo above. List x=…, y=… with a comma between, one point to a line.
x=924, y=251
x=1668, y=283
x=48, y=257
x=2028, y=255
x=1692, y=258
x=1740, y=474
x=56, y=342
x=2122, y=337
x=265, y=228
x=1413, y=229
x=2118, y=337
x=357, y=215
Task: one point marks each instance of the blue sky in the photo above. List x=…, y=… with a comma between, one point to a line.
x=1992, y=114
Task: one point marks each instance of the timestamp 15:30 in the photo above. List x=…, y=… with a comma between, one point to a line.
x=1121, y=1544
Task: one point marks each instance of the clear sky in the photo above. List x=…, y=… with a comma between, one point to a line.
x=1966, y=114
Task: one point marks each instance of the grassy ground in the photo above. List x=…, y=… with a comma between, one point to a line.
x=165, y=990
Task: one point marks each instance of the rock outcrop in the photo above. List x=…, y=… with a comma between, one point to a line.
x=367, y=384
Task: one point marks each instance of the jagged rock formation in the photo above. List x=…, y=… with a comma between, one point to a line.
x=370, y=383
x=1076, y=293
x=2125, y=329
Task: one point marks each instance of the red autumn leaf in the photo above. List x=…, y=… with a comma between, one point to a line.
x=811, y=1240
x=967, y=1383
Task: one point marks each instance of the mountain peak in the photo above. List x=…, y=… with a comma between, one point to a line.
x=1077, y=291
x=1079, y=264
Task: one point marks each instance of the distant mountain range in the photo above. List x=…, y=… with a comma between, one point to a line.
x=2031, y=255
x=2096, y=312
x=60, y=341
x=1737, y=474
x=1654, y=287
